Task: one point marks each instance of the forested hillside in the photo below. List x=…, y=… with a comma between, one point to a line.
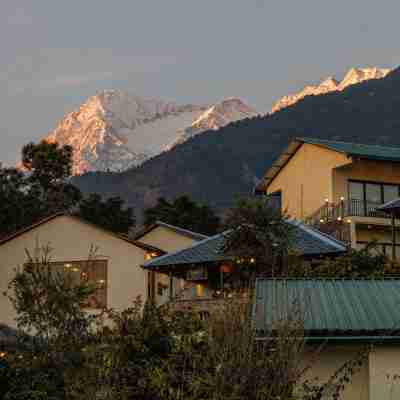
x=216, y=166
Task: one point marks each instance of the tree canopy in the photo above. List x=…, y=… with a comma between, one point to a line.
x=43, y=187
x=185, y=213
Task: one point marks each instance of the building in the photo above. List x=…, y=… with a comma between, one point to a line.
x=338, y=187
x=85, y=251
x=169, y=239
x=345, y=317
x=204, y=273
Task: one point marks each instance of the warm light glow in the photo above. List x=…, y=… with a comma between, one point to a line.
x=67, y=266
x=149, y=256
x=252, y=260
x=321, y=220
x=342, y=198
x=101, y=281
x=326, y=200
x=339, y=218
x=348, y=221
x=75, y=269
x=3, y=354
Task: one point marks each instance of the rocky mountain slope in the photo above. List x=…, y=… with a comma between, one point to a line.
x=353, y=76
x=215, y=166
x=114, y=131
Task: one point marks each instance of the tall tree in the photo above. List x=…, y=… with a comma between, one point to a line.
x=185, y=213
x=110, y=214
x=49, y=168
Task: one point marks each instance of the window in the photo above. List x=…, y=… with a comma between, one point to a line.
x=198, y=274
x=356, y=191
x=373, y=193
x=390, y=192
x=93, y=272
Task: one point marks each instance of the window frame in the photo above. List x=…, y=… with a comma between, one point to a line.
x=104, y=300
x=364, y=183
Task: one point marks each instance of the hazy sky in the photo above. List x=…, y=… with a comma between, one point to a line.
x=56, y=53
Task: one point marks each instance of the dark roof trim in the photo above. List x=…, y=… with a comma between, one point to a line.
x=43, y=221
x=177, y=229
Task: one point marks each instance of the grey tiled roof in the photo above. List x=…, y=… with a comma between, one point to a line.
x=307, y=241
x=331, y=307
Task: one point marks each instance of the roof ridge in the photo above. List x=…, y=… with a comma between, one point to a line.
x=307, y=138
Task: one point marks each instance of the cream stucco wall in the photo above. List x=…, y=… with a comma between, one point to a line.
x=166, y=239
x=325, y=361
x=306, y=180
x=71, y=240
x=384, y=373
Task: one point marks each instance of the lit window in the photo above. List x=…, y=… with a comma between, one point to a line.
x=93, y=272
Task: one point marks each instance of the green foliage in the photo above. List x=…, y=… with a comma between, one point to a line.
x=109, y=214
x=185, y=213
x=258, y=237
x=44, y=188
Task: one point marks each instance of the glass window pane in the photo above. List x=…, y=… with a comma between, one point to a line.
x=356, y=191
x=373, y=193
x=390, y=192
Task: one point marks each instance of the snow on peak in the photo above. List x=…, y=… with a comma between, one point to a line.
x=229, y=110
x=353, y=76
x=115, y=130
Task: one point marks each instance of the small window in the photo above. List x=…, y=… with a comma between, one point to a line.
x=373, y=193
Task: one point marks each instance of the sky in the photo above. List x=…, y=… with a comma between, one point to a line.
x=55, y=54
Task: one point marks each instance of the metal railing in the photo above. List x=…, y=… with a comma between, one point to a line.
x=346, y=208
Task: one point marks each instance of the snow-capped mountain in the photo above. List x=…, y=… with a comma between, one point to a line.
x=114, y=130
x=353, y=76
x=223, y=113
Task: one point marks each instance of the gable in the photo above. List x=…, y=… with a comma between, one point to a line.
x=166, y=239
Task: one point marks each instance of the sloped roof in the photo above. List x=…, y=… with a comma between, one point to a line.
x=356, y=308
x=43, y=221
x=307, y=241
x=356, y=150
x=181, y=231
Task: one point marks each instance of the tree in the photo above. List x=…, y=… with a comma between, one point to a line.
x=49, y=167
x=109, y=214
x=185, y=213
x=259, y=238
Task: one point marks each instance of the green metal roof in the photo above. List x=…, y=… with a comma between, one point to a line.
x=334, y=308
x=307, y=241
x=373, y=152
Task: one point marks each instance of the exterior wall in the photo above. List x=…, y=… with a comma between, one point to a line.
x=71, y=240
x=306, y=180
x=326, y=361
x=166, y=239
x=384, y=370
x=169, y=241
x=364, y=170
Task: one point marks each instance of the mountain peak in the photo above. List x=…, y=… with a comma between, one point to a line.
x=352, y=77
x=114, y=130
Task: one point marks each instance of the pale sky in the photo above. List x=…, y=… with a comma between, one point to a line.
x=54, y=54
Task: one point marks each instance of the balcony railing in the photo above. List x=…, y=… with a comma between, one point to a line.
x=330, y=212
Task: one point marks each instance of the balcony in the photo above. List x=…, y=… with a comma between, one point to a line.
x=330, y=212
x=332, y=218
